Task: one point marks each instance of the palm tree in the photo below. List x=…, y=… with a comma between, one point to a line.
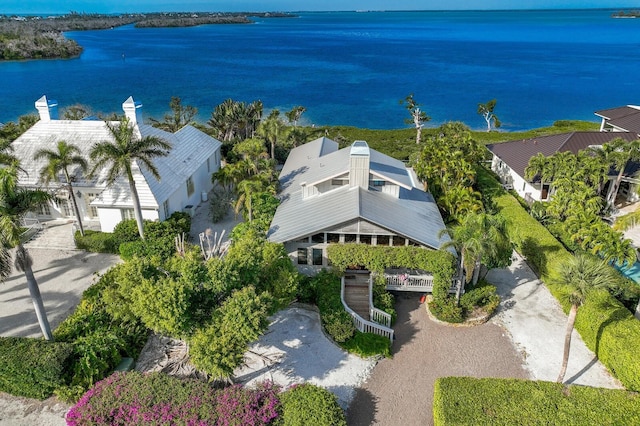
x=294, y=115
x=271, y=130
x=180, y=116
x=478, y=236
x=60, y=160
x=120, y=154
x=581, y=275
x=15, y=203
x=619, y=152
x=418, y=116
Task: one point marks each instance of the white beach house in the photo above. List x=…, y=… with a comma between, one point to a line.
x=185, y=172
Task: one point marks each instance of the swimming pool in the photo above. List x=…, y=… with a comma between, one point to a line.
x=632, y=272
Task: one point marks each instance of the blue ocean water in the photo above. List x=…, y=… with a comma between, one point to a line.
x=353, y=68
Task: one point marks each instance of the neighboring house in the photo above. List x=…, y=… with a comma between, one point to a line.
x=510, y=160
x=350, y=195
x=620, y=119
x=185, y=173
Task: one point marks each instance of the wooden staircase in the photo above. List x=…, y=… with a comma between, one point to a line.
x=356, y=293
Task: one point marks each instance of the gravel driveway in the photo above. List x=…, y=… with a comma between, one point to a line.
x=400, y=390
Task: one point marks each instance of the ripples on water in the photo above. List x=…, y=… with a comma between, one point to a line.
x=353, y=68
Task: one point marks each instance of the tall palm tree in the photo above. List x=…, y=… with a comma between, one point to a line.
x=272, y=129
x=15, y=203
x=619, y=152
x=582, y=274
x=61, y=160
x=478, y=236
x=119, y=155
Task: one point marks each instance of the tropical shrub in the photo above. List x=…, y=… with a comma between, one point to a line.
x=31, y=367
x=311, y=405
x=220, y=347
x=98, y=339
x=482, y=295
x=447, y=310
x=339, y=325
x=470, y=401
x=96, y=242
x=367, y=345
x=134, y=398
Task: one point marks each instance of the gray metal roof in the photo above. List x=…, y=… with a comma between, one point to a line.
x=413, y=214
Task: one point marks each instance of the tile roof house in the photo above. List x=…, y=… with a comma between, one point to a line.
x=354, y=194
x=511, y=158
x=620, y=119
x=185, y=172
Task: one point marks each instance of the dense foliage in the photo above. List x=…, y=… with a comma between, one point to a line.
x=605, y=325
x=99, y=339
x=138, y=399
x=126, y=241
x=470, y=401
x=31, y=367
x=217, y=349
x=376, y=259
x=310, y=405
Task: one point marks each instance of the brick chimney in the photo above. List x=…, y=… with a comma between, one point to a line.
x=133, y=111
x=359, y=165
x=47, y=109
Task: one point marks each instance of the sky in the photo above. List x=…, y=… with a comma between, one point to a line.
x=120, y=6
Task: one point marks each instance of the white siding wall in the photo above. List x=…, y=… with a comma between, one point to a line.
x=109, y=218
x=520, y=185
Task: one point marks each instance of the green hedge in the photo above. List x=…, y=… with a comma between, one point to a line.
x=605, y=325
x=311, y=405
x=470, y=401
x=31, y=367
x=96, y=242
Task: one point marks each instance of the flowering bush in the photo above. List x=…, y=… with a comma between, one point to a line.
x=157, y=399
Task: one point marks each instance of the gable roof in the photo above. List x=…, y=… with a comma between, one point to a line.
x=190, y=148
x=413, y=214
x=625, y=118
x=516, y=154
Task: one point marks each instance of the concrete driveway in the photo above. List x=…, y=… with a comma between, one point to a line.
x=537, y=325
x=62, y=276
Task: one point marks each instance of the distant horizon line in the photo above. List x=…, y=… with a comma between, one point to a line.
x=546, y=9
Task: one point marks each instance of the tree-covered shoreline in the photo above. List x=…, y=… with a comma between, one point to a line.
x=38, y=37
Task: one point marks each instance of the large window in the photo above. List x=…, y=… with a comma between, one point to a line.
x=317, y=257
x=383, y=240
x=190, y=187
x=92, y=211
x=127, y=214
x=44, y=210
x=350, y=238
x=365, y=239
x=302, y=256
x=333, y=238
x=317, y=238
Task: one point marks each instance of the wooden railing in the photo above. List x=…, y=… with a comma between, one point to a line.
x=416, y=283
x=362, y=324
x=375, y=314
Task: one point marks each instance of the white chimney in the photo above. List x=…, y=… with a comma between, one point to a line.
x=133, y=111
x=48, y=109
x=359, y=165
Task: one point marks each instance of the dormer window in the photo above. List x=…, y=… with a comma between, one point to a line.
x=376, y=183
